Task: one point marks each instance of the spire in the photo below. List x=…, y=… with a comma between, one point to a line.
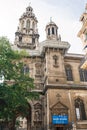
x=27, y=35
x=50, y=19
x=29, y=2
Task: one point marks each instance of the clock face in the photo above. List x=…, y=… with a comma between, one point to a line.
x=26, y=40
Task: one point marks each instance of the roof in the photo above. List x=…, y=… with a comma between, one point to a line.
x=51, y=23
x=45, y=44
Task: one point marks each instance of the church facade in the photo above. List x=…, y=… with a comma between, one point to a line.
x=58, y=78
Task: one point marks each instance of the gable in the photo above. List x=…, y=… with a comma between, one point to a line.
x=59, y=108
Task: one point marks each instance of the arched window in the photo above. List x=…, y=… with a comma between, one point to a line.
x=33, y=25
x=22, y=24
x=85, y=36
x=55, y=58
x=56, y=31
x=48, y=31
x=80, y=109
x=20, y=38
x=25, y=69
x=69, y=75
x=52, y=30
x=28, y=24
x=2, y=79
x=83, y=75
x=33, y=40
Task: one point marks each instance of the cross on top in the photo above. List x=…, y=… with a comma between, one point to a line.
x=58, y=96
x=29, y=2
x=50, y=19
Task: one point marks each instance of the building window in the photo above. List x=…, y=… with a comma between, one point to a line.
x=85, y=36
x=22, y=25
x=48, y=31
x=52, y=30
x=25, y=69
x=69, y=75
x=20, y=38
x=33, y=40
x=56, y=31
x=2, y=79
x=83, y=75
x=55, y=58
x=33, y=25
x=80, y=109
x=28, y=24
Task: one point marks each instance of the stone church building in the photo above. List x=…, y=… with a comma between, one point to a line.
x=58, y=78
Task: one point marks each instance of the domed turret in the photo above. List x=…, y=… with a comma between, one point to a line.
x=27, y=34
x=51, y=30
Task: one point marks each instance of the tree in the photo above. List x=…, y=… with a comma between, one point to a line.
x=16, y=88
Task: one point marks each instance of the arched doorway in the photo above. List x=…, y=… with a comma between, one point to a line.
x=59, y=116
x=23, y=120
x=59, y=127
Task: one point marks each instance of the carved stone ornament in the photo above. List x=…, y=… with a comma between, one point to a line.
x=59, y=109
x=37, y=112
x=55, y=58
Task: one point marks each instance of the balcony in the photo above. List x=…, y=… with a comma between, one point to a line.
x=26, y=45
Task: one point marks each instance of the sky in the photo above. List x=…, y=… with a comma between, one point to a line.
x=65, y=13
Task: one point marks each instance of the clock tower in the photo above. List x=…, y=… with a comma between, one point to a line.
x=27, y=35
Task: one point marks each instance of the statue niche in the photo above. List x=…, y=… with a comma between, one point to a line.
x=38, y=69
x=55, y=58
x=37, y=112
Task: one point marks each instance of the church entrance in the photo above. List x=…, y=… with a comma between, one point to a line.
x=59, y=116
x=24, y=123
x=59, y=128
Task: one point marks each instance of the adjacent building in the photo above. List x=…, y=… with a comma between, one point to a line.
x=83, y=35
x=58, y=78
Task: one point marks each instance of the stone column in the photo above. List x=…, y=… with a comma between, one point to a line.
x=47, y=112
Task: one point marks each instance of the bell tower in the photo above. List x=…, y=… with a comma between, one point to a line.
x=27, y=35
x=51, y=30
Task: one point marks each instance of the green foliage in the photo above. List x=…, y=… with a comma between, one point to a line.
x=17, y=87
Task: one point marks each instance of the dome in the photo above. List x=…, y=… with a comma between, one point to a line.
x=51, y=23
x=29, y=13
